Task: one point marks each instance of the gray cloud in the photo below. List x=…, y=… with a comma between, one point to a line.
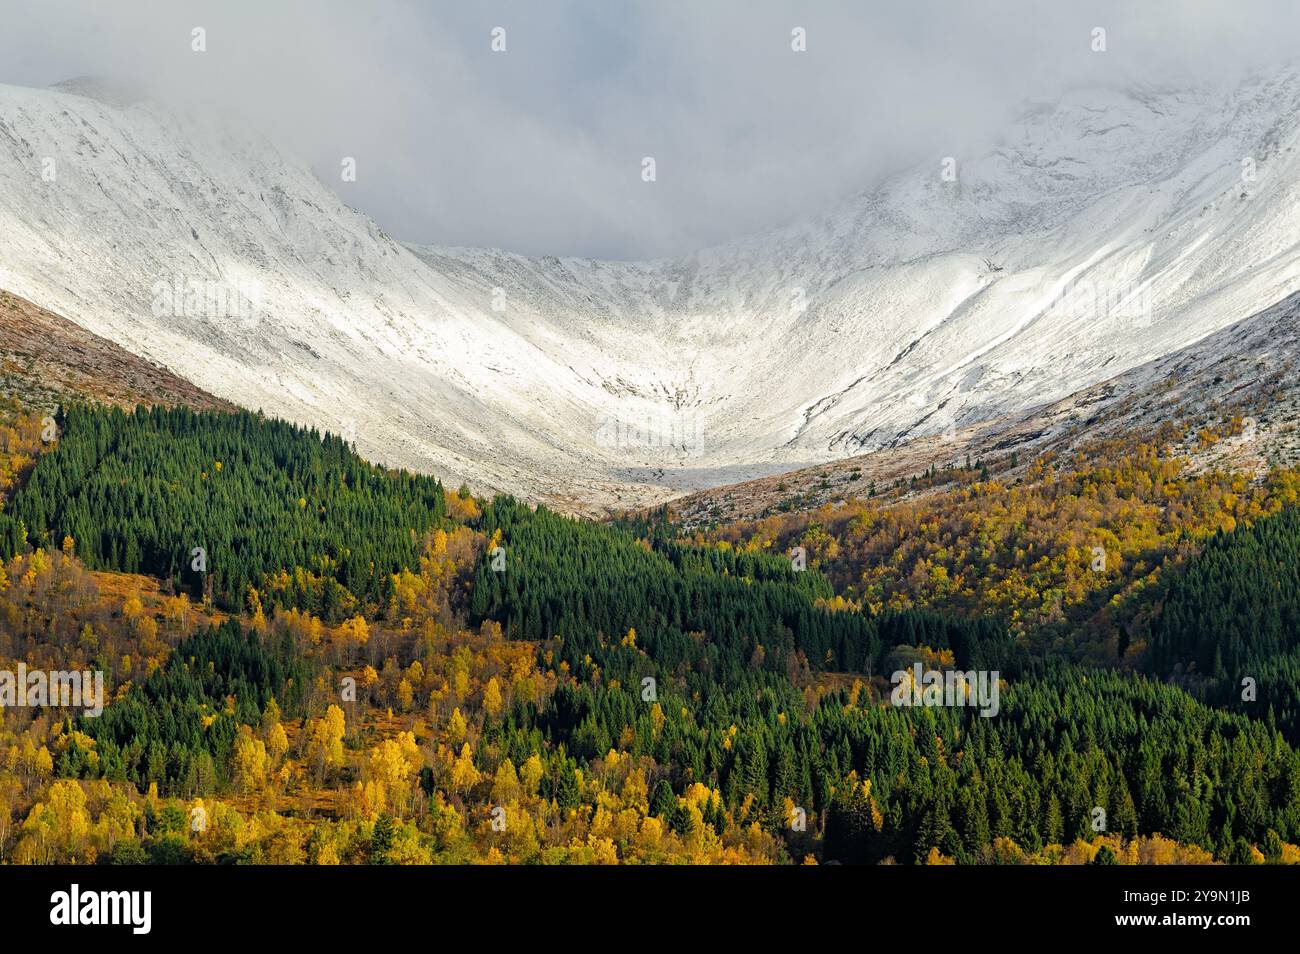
x=538, y=149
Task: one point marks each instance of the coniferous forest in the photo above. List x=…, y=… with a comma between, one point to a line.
x=152, y=491
x=1234, y=615
x=365, y=668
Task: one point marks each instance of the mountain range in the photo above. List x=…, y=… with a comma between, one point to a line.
x=1098, y=236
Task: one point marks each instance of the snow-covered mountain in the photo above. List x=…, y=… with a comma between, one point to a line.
x=1104, y=231
x=1231, y=401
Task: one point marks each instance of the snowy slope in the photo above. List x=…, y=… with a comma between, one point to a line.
x=1241, y=383
x=1104, y=231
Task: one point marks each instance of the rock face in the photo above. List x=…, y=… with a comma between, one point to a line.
x=47, y=361
x=1106, y=231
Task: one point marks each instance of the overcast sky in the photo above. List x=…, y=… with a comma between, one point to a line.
x=538, y=149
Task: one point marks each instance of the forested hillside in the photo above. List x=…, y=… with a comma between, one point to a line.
x=1069, y=742
x=1072, y=557
x=224, y=504
x=1230, y=625
x=374, y=671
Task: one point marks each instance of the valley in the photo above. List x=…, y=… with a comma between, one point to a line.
x=915, y=309
x=1024, y=425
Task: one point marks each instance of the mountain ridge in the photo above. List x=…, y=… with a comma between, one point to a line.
x=920, y=307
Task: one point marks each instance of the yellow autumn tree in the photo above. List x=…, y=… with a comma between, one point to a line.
x=251, y=763
x=530, y=774
x=353, y=634
x=392, y=766
x=456, y=727
x=464, y=774
x=505, y=785
x=492, y=701
x=405, y=695
x=325, y=748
